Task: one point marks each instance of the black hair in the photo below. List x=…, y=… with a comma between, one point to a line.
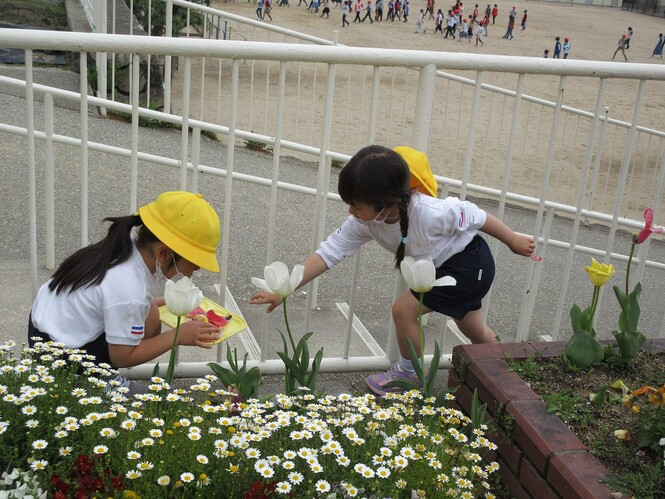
x=379, y=177
x=88, y=266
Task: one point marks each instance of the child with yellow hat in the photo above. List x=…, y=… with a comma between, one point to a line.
x=392, y=200
x=100, y=299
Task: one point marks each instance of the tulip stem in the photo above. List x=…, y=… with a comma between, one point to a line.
x=421, y=335
x=630, y=259
x=288, y=328
x=171, y=368
x=594, y=302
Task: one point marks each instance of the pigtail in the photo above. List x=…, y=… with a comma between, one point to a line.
x=88, y=266
x=404, y=228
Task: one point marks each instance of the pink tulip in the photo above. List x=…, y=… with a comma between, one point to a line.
x=648, y=229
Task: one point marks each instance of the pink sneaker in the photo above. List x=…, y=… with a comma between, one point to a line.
x=376, y=382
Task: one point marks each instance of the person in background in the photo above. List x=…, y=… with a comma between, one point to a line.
x=566, y=47
x=546, y=54
x=368, y=12
x=524, y=20
x=658, y=50
x=621, y=46
x=557, y=48
x=495, y=12
x=628, y=37
x=345, y=12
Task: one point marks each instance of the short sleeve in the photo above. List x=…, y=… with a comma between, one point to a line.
x=124, y=322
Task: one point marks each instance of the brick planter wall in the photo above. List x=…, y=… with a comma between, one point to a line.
x=541, y=457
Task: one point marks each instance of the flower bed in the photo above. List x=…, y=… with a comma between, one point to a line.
x=539, y=455
x=63, y=434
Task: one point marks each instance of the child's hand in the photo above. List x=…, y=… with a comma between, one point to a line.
x=198, y=333
x=521, y=244
x=264, y=297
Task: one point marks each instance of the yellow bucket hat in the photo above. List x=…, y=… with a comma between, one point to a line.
x=422, y=178
x=187, y=224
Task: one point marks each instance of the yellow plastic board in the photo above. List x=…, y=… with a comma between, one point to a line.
x=235, y=325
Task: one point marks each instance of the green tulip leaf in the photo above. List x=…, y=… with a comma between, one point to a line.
x=583, y=350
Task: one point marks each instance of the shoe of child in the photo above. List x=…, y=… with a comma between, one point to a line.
x=376, y=382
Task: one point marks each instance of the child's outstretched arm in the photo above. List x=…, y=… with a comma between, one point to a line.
x=314, y=267
x=519, y=244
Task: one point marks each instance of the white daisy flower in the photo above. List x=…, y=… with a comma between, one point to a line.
x=186, y=477
x=133, y=474
x=145, y=465
x=39, y=464
x=322, y=486
x=100, y=449
x=202, y=459
x=283, y=487
x=163, y=480
x=39, y=444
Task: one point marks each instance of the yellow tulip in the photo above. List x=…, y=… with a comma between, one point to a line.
x=599, y=273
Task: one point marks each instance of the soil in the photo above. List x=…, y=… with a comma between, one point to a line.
x=569, y=395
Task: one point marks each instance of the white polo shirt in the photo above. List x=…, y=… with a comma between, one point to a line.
x=439, y=228
x=118, y=306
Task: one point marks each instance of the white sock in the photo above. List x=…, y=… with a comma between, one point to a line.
x=406, y=365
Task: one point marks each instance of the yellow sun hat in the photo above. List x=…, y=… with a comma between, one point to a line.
x=187, y=224
x=422, y=178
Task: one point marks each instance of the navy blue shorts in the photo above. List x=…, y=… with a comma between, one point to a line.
x=473, y=268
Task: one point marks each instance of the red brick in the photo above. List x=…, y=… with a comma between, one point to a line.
x=548, y=349
x=540, y=434
x=463, y=355
x=534, y=483
x=655, y=345
x=511, y=482
x=496, y=385
x=463, y=396
x=453, y=378
x=507, y=449
x=576, y=476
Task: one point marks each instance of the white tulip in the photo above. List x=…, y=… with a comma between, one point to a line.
x=420, y=275
x=182, y=297
x=277, y=279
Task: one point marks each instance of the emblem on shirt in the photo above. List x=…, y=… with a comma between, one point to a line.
x=137, y=330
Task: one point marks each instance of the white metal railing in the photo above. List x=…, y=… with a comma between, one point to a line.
x=448, y=124
x=417, y=125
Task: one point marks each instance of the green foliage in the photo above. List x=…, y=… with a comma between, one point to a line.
x=35, y=13
x=646, y=482
x=245, y=381
x=629, y=339
x=477, y=411
x=297, y=367
x=158, y=21
x=651, y=425
x=565, y=405
x=254, y=145
x=583, y=350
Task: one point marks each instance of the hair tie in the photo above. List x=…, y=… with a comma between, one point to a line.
x=405, y=240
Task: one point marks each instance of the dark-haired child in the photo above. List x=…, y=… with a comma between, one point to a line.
x=100, y=299
x=378, y=186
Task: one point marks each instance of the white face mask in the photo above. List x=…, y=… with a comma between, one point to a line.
x=159, y=273
x=374, y=221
